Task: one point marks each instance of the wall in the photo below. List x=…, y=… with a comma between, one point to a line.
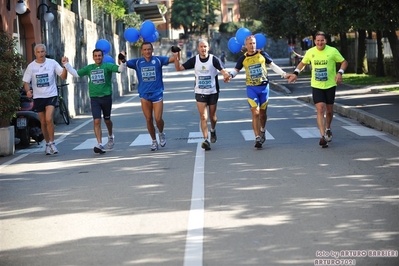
x=75, y=38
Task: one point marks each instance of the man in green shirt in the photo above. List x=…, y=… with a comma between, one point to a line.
x=100, y=92
x=324, y=82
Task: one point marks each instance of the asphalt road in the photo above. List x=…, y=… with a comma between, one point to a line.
x=291, y=203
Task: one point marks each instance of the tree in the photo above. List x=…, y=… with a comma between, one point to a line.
x=194, y=16
x=11, y=64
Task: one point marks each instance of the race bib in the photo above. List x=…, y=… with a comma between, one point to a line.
x=97, y=76
x=255, y=71
x=320, y=74
x=42, y=80
x=204, y=82
x=148, y=74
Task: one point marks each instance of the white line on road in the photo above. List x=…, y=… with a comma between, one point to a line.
x=195, y=231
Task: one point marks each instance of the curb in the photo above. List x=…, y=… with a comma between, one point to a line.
x=361, y=116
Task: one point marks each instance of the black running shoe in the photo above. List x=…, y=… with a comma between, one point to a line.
x=99, y=149
x=258, y=143
x=323, y=143
x=328, y=135
x=213, y=137
x=206, y=145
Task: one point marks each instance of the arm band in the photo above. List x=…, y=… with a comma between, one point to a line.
x=277, y=69
x=233, y=73
x=71, y=70
x=341, y=71
x=297, y=71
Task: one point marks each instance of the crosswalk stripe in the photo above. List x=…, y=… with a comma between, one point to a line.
x=307, y=132
x=90, y=143
x=250, y=136
x=142, y=140
x=364, y=131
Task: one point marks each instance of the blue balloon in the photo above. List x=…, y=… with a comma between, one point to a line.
x=147, y=29
x=132, y=35
x=152, y=38
x=108, y=59
x=242, y=34
x=103, y=45
x=260, y=40
x=234, y=45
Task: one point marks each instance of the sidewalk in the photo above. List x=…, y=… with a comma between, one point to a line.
x=369, y=105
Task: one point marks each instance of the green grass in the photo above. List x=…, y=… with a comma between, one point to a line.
x=364, y=79
x=394, y=89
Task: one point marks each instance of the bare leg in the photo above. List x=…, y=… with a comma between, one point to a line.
x=158, y=111
x=320, y=107
x=147, y=106
x=97, y=129
x=203, y=113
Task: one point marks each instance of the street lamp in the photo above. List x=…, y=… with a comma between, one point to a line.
x=48, y=16
x=20, y=8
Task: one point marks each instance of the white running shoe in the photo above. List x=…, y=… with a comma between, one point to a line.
x=48, y=149
x=53, y=148
x=154, y=145
x=328, y=135
x=162, y=139
x=111, y=143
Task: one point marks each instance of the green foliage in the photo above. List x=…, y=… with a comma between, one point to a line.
x=194, y=16
x=255, y=26
x=230, y=27
x=133, y=20
x=114, y=7
x=364, y=79
x=11, y=64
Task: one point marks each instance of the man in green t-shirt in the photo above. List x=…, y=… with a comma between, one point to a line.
x=324, y=82
x=100, y=92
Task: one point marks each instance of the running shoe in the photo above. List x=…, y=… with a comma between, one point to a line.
x=48, y=149
x=323, y=143
x=258, y=143
x=213, y=137
x=154, y=145
x=53, y=148
x=328, y=135
x=206, y=145
x=99, y=149
x=111, y=143
x=162, y=139
x=262, y=136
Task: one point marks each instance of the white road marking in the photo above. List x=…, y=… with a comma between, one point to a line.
x=193, y=254
x=307, y=132
x=364, y=131
x=196, y=137
x=90, y=143
x=249, y=135
x=142, y=140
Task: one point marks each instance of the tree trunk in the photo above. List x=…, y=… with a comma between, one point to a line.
x=344, y=44
x=361, y=53
x=380, y=60
x=394, y=43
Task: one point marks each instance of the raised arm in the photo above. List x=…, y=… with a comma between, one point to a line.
x=71, y=70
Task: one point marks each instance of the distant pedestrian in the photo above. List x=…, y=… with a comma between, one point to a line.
x=149, y=73
x=324, y=81
x=100, y=92
x=41, y=74
x=223, y=57
x=254, y=61
x=206, y=87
